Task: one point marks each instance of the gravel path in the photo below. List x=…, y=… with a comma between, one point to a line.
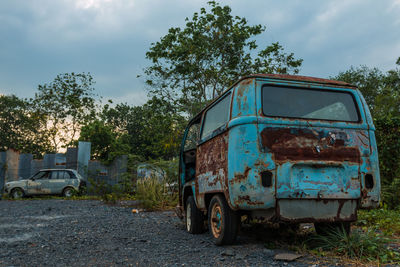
x=89, y=233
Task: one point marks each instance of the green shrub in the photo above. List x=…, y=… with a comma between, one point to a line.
x=124, y=189
x=385, y=220
x=359, y=245
x=154, y=194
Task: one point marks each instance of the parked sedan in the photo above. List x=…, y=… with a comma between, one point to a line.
x=47, y=182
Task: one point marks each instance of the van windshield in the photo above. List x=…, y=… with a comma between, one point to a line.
x=309, y=104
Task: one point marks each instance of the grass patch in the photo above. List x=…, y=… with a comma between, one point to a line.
x=387, y=221
x=363, y=246
x=154, y=194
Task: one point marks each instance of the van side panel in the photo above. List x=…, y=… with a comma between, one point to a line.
x=244, y=99
x=211, y=168
x=245, y=162
x=370, y=197
x=245, y=165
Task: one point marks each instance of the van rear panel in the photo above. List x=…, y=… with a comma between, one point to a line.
x=308, y=164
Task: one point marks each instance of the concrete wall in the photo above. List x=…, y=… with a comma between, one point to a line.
x=15, y=166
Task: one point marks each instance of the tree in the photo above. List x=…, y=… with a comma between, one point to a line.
x=153, y=130
x=380, y=90
x=21, y=128
x=193, y=65
x=370, y=81
x=68, y=103
x=106, y=143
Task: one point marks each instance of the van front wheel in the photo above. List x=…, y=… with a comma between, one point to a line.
x=222, y=221
x=194, y=217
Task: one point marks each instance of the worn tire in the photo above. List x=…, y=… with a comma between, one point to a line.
x=194, y=218
x=68, y=192
x=17, y=193
x=222, y=221
x=327, y=228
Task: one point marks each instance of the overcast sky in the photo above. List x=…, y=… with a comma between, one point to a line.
x=109, y=38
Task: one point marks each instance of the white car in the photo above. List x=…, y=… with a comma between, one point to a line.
x=64, y=182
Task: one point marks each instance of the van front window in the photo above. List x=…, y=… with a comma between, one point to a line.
x=309, y=104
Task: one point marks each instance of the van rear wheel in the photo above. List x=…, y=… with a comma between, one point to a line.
x=223, y=222
x=194, y=217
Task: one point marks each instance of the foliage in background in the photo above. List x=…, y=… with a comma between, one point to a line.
x=151, y=131
x=68, y=103
x=193, y=65
x=106, y=143
x=21, y=127
x=124, y=189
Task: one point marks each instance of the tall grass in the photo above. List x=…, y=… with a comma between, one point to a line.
x=359, y=245
x=154, y=194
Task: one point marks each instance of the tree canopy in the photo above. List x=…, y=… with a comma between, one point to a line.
x=68, y=103
x=21, y=127
x=193, y=65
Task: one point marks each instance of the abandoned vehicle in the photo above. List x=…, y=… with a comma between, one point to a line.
x=279, y=147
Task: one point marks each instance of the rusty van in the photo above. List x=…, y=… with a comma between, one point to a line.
x=279, y=147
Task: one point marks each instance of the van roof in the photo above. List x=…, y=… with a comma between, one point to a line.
x=298, y=78
x=287, y=77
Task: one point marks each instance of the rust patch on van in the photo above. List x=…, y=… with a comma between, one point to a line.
x=247, y=200
x=240, y=177
x=212, y=155
x=302, y=144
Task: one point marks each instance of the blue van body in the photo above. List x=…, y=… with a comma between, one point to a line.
x=283, y=167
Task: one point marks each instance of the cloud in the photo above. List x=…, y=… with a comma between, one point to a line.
x=109, y=38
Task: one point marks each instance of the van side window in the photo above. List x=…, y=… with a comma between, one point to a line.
x=192, y=137
x=216, y=116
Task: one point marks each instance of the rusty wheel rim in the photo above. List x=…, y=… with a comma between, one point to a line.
x=216, y=220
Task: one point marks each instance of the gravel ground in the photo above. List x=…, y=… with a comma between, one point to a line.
x=89, y=233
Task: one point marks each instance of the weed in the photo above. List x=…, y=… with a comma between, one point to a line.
x=155, y=194
x=359, y=245
x=385, y=220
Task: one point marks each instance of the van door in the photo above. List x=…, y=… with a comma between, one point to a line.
x=316, y=138
x=315, y=162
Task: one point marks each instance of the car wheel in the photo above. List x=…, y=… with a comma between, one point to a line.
x=68, y=192
x=328, y=228
x=194, y=217
x=223, y=222
x=17, y=193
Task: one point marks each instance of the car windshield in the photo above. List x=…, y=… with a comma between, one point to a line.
x=309, y=104
x=40, y=175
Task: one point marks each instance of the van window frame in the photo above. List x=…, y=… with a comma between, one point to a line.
x=223, y=127
x=357, y=107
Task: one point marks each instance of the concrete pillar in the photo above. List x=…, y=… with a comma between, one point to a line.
x=25, y=165
x=36, y=165
x=49, y=161
x=72, y=158
x=83, y=158
x=2, y=170
x=12, y=164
